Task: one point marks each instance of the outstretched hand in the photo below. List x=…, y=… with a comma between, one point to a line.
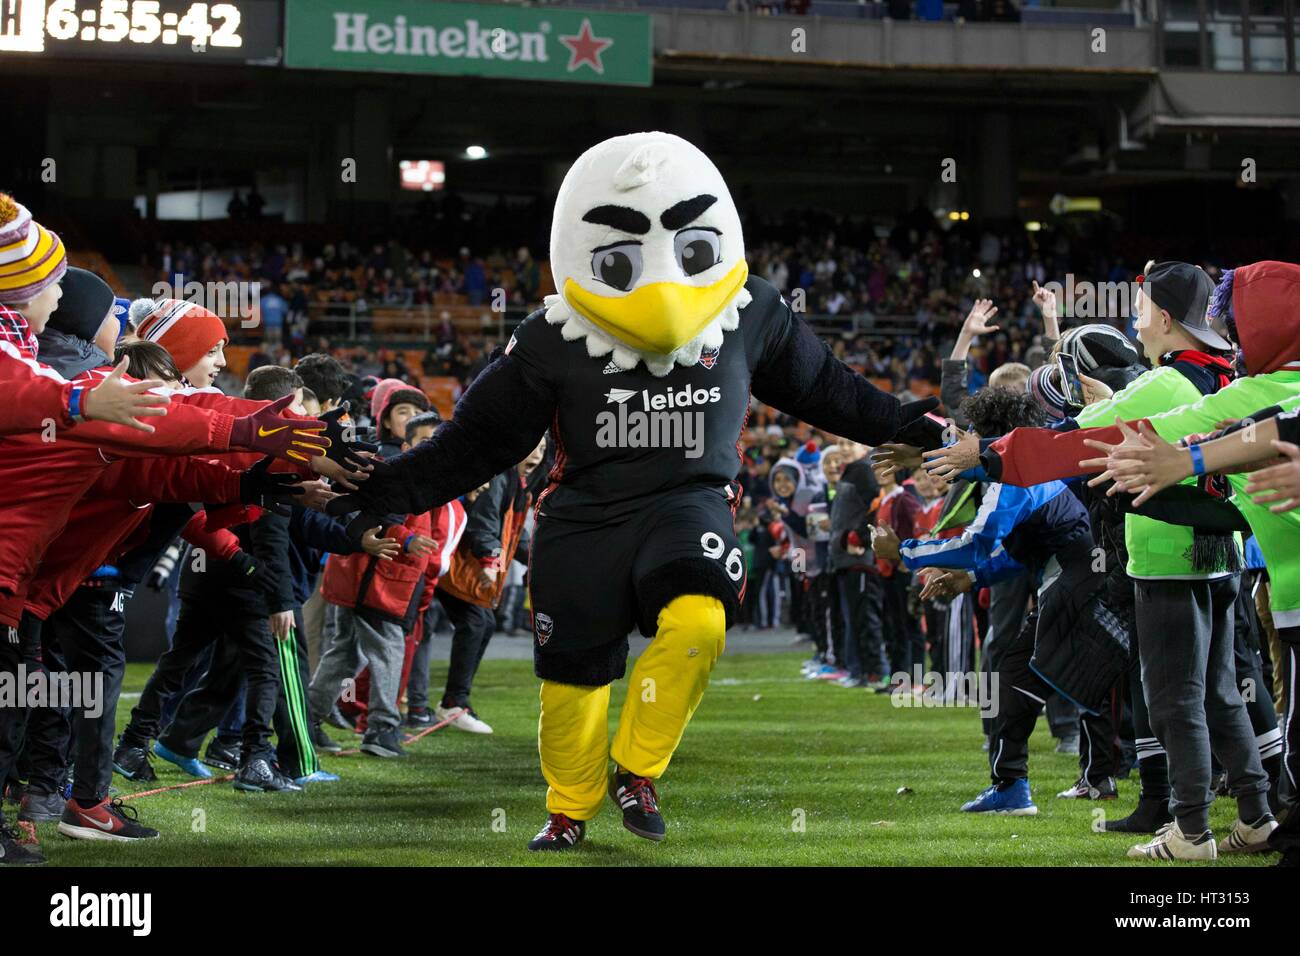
x=386, y=491
x=949, y=462
x=345, y=447
x=1278, y=486
x=270, y=490
x=265, y=431
x=1141, y=463
x=124, y=403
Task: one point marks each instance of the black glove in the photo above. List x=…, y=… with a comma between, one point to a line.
x=270, y=490
x=344, y=444
x=386, y=491
x=916, y=429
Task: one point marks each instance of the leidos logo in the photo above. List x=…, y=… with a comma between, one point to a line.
x=670, y=398
x=653, y=425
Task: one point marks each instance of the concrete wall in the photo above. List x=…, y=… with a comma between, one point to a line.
x=901, y=43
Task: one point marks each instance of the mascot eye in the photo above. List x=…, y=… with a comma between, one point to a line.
x=697, y=250
x=618, y=266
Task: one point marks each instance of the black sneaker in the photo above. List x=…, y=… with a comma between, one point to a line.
x=323, y=741
x=258, y=776
x=383, y=743
x=14, y=791
x=640, y=804
x=419, y=717
x=133, y=763
x=107, y=820
x=41, y=807
x=223, y=754
x=1083, y=790
x=560, y=833
x=335, y=718
x=14, y=853
x=1148, y=816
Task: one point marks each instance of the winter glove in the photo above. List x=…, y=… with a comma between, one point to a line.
x=269, y=490
x=916, y=429
x=386, y=491
x=293, y=439
x=343, y=442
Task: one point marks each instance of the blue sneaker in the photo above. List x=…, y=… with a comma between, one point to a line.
x=1011, y=800
x=190, y=765
x=320, y=776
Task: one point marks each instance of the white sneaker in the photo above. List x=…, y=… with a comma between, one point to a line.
x=1170, y=844
x=1244, y=838
x=466, y=721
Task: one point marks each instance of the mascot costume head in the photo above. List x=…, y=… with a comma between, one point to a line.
x=647, y=253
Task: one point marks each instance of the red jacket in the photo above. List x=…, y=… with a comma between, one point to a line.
x=390, y=588
x=41, y=480
x=30, y=394
x=104, y=523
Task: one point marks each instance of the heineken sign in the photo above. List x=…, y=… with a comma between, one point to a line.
x=469, y=39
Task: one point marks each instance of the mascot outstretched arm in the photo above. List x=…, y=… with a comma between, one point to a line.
x=642, y=366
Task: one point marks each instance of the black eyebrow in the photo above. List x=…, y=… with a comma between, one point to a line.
x=619, y=217
x=687, y=211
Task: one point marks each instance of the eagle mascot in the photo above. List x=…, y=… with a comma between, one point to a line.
x=642, y=367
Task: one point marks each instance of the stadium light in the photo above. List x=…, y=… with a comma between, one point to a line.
x=475, y=152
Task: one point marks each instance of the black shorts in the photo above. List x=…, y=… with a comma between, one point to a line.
x=590, y=585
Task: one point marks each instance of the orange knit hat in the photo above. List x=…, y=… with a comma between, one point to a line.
x=186, y=330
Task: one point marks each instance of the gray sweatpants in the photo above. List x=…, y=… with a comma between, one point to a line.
x=1189, y=680
x=350, y=643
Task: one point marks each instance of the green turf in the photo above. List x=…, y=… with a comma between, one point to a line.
x=767, y=751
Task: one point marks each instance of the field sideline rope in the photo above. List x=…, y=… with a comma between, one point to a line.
x=230, y=776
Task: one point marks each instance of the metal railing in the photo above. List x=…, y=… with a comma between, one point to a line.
x=421, y=325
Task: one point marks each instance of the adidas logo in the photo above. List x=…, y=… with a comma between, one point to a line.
x=611, y=369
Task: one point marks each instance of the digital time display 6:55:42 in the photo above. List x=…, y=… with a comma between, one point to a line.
x=235, y=30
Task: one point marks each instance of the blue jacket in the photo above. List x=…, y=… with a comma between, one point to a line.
x=1016, y=529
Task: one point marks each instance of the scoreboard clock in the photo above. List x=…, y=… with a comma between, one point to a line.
x=232, y=31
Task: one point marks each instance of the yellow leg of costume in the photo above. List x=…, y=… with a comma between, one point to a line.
x=668, y=682
x=573, y=740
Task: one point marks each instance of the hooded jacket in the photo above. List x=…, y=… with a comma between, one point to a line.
x=813, y=544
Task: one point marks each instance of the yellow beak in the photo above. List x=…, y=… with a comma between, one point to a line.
x=660, y=317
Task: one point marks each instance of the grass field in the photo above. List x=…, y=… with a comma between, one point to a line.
x=766, y=751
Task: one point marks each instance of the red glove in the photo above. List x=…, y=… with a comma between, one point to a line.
x=293, y=439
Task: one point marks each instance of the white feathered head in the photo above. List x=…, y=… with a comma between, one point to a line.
x=647, y=253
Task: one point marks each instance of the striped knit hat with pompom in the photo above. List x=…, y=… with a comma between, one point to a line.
x=1045, y=386
x=31, y=257
x=185, y=329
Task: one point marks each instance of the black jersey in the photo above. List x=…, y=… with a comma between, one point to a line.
x=627, y=437
x=624, y=436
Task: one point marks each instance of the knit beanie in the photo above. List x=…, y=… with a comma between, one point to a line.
x=1045, y=387
x=809, y=454
x=1099, y=346
x=31, y=257
x=393, y=391
x=186, y=330
x=85, y=304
